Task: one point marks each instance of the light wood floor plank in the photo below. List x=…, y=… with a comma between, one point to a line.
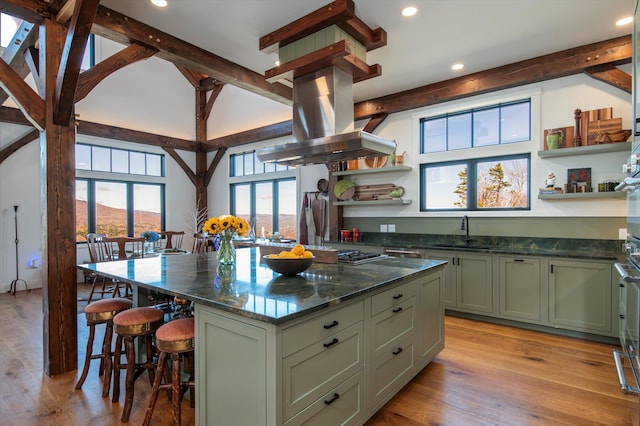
x=487, y=374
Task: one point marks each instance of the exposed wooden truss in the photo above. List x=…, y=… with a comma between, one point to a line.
x=597, y=60
x=555, y=65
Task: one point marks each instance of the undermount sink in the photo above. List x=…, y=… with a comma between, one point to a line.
x=459, y=247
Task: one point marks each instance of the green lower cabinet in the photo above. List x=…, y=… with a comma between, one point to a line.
x=468, y=280
x=520, y=288
x=580, y=295
x=563, y=293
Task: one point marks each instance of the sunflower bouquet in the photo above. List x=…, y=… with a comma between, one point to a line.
x=226, y=225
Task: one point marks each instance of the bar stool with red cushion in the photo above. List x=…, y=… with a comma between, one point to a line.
x=177, y=339
x=101, y=312
x=128, y=325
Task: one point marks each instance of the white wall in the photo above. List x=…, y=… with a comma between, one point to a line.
x=20, y=186
x=552, y=103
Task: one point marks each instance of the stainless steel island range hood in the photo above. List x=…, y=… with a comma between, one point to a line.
x=323, y=124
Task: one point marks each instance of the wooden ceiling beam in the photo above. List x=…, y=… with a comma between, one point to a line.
x=64, y=10
x=555, y=65
x=27, y=100
x=119, y=133
x=125, y=30
x=215, y=92
x=14, y=55
x=120, y=28
x=183, y=165
x=94, y=75
x=271, y=131
x=340, y=13
x=18, y=143
x=192, y=77
x=374, y=122
x=29, y=10
x=32, y=59
x=610, y=74
x=84, y=12
x=212, y=167
x=330, y=14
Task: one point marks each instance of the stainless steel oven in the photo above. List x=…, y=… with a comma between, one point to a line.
x=626, y=359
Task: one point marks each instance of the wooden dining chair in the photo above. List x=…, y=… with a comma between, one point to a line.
x=123, y=248
x=200, y=243
x=98, y=252
x=174, y=238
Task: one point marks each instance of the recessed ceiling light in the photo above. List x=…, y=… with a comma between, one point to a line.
x=457, y=66
x=409, y=11
x=624, y=21
x=159, y=3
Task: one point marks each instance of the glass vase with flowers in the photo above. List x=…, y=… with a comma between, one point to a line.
x=150, y=239
x=226, y=227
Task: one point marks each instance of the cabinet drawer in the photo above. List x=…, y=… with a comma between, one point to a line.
x=393, y=324
x=390, y=298
x=392, y=367
x=311, y=331
x=315, y=370
x=340, y=406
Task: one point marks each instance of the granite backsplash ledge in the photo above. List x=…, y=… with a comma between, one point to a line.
x=520, y=245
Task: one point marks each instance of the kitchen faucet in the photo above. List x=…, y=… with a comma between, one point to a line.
x=464, y=226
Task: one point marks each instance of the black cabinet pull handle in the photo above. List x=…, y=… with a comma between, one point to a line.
x=397, y=296
x=333, y=398
x=518, y=260
x=333, y=324
x=396, y=310
x=621, y=316
x=621, y=285
x=331, y=343
x=397, y=351
x=552, y=269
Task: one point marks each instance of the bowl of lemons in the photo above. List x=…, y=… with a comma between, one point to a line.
x=290, y=263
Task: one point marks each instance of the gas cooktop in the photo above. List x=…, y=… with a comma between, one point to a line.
x=356, y=257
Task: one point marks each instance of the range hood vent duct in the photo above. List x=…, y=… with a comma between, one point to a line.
x=323, y=124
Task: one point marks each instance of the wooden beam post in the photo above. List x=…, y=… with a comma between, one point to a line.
x=57, y=177
x=201, y=155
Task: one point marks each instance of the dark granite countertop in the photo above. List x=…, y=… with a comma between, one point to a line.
x=253, y=290
x=557, y=247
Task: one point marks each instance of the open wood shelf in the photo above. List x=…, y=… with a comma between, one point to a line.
x=368, y=171
x=371, y=202
x=582, y=195
x=584, y=150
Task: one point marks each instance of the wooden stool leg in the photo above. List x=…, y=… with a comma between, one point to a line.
x=106, y=357
x=175, y=387
x=192, y=388
x=87, y=358
x=155, y=389
x=116, y=369
x=130, y=377
x=150, y=354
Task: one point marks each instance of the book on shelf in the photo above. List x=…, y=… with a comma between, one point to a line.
x=555, y=190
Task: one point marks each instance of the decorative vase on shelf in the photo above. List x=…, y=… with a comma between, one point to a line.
x=554, y=138
x=226, y=251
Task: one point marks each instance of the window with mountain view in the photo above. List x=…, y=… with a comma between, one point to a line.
x=496, y=183
x=120, y=205
x=264, y=194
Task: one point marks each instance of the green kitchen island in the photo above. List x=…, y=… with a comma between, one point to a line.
x=329, y=346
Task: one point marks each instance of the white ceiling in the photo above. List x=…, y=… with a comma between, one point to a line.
x=420, y=50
